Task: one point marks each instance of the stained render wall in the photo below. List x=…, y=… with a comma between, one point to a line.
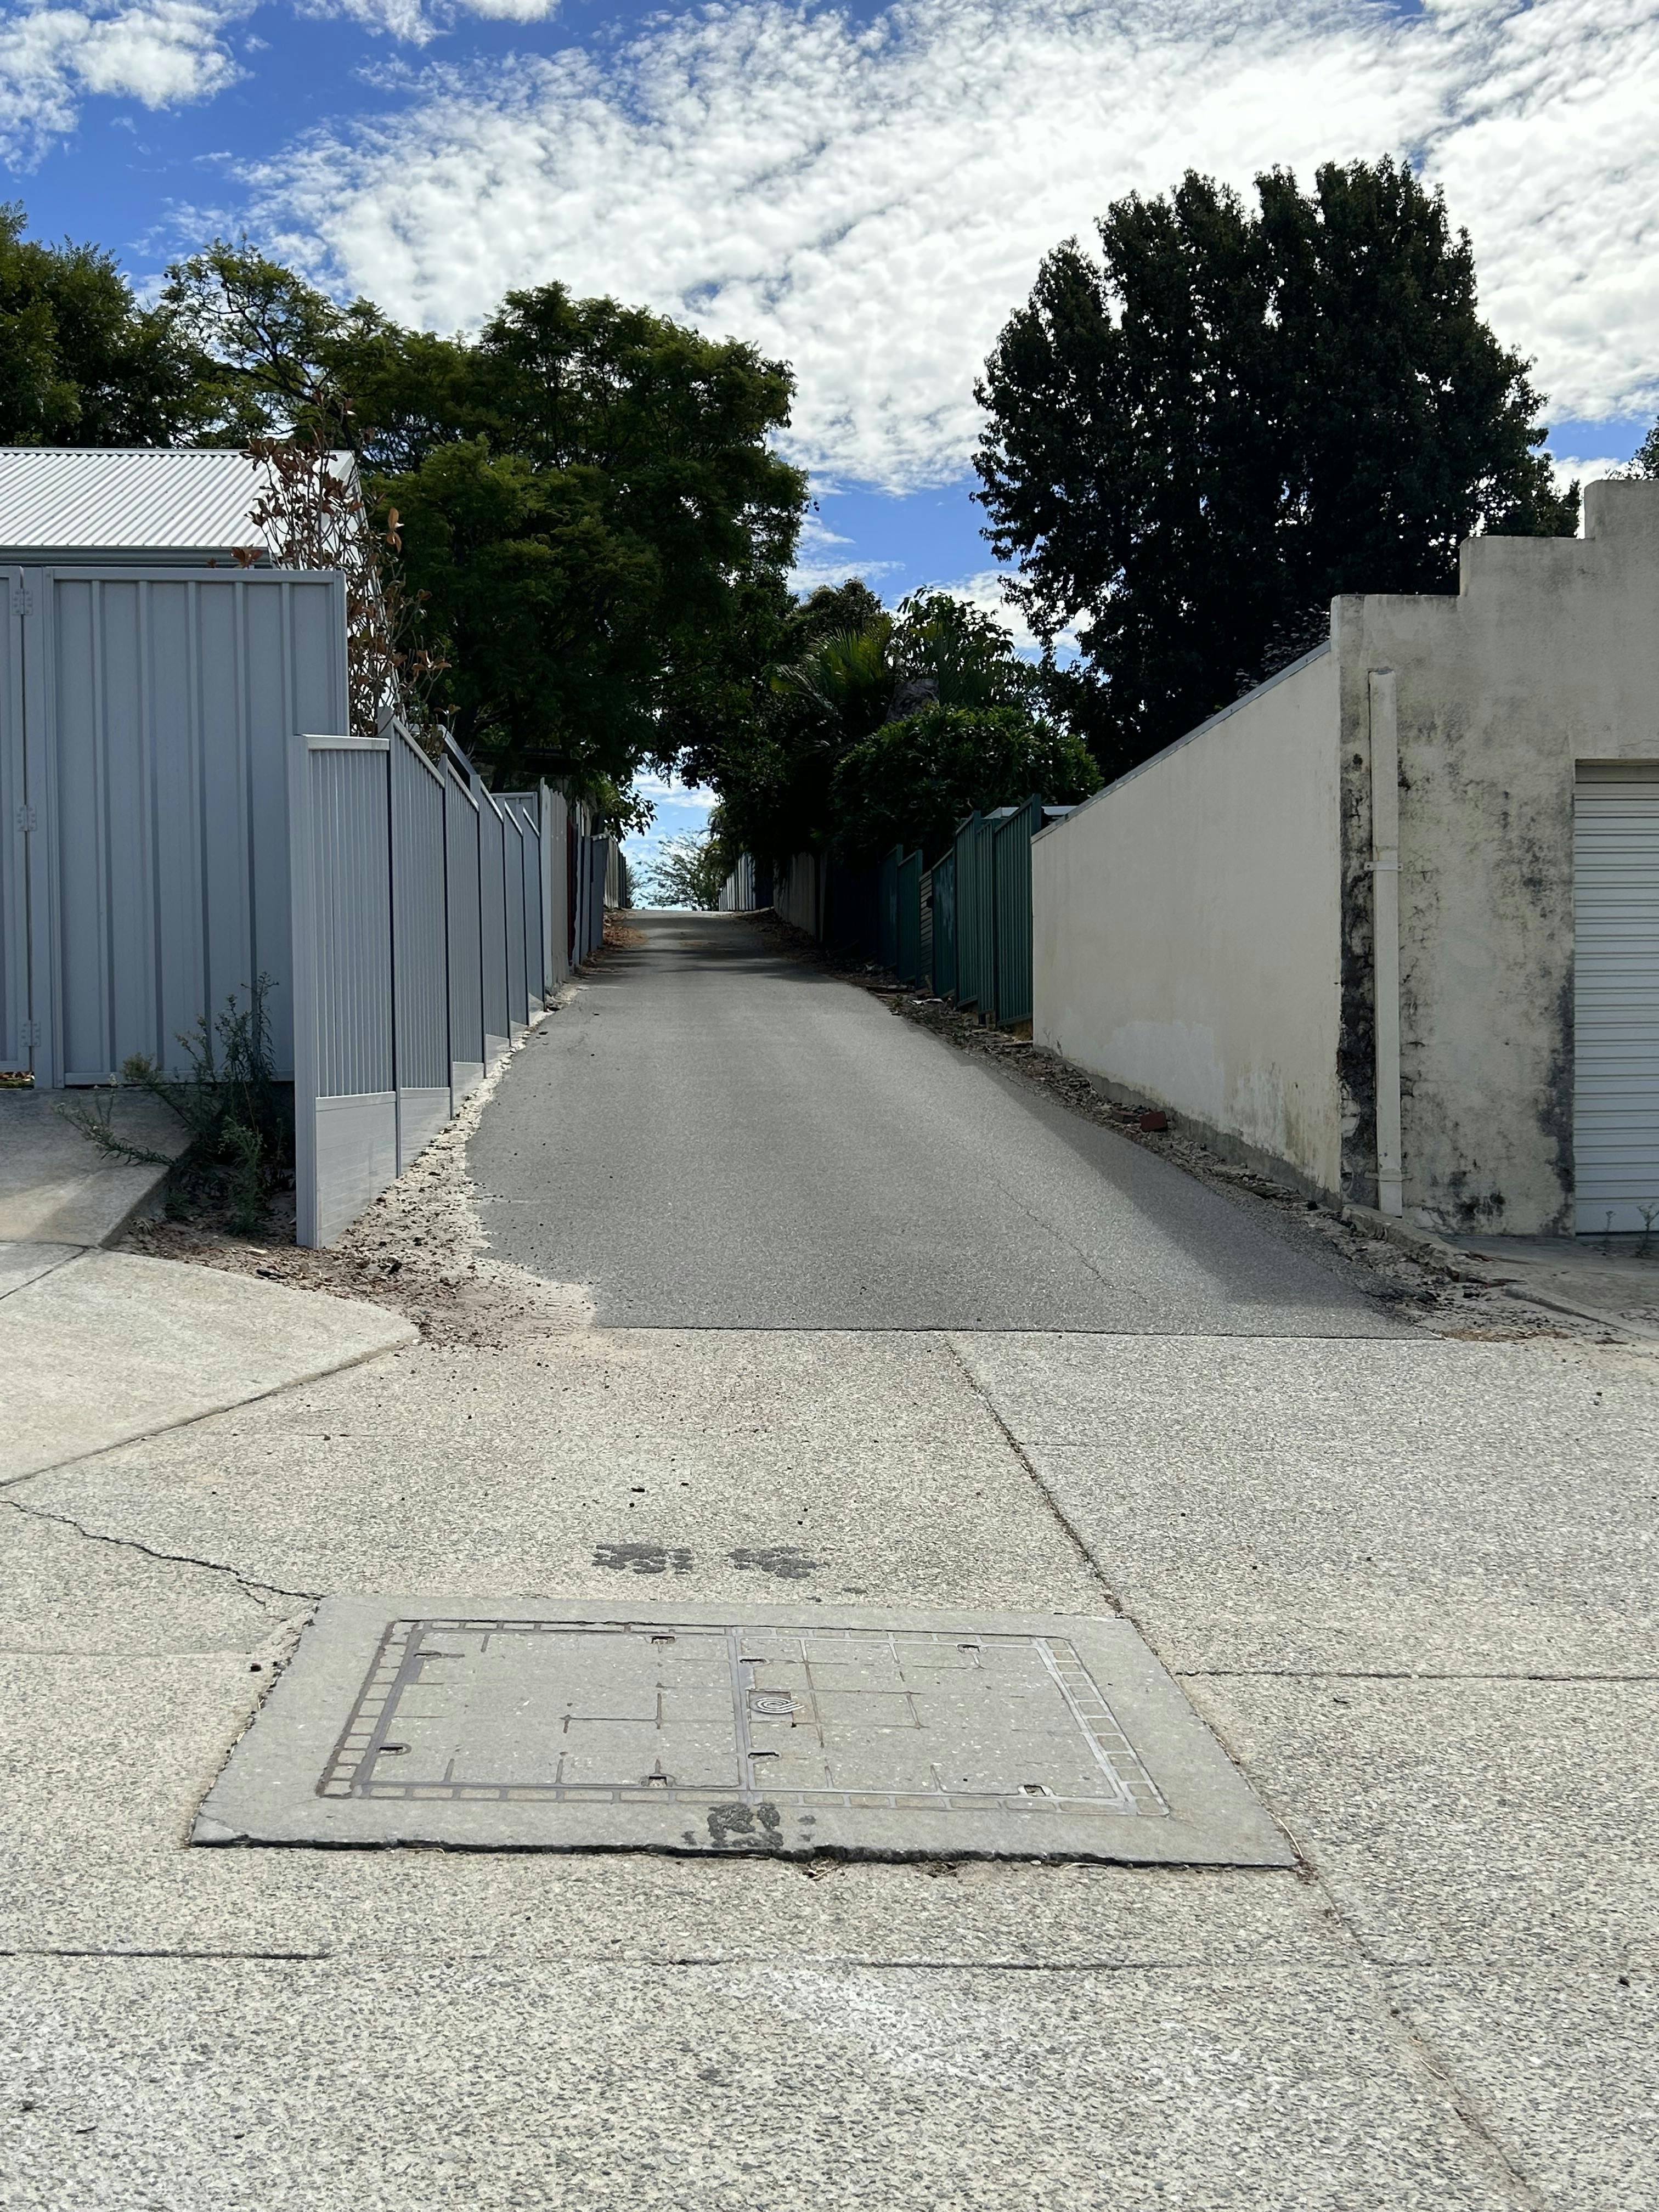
x=1547, y=656
x=1187, y=927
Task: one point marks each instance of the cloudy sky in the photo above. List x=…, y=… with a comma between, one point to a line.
x=864, y=190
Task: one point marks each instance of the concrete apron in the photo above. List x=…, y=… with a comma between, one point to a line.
x=1406, y=1583
x=1398, y=1579
x=57, y=1187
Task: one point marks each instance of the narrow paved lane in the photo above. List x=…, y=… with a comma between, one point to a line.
x=713, y=1135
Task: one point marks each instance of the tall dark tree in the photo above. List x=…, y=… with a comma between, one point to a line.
x=81, y=363
x=1194, y=443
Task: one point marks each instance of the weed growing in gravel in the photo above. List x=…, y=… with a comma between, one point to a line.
x=238, y=1117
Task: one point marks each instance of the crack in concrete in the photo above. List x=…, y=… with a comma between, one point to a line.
x=183, y=1957
x=1429, y=2060
x=1043, y=1490
x=1467, y=2108
x=257, y=1591
x=1389, y=1675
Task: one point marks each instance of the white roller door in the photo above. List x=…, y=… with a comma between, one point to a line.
x=1616, y=1089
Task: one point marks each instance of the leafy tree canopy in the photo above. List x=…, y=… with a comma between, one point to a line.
x=585, y=494
x=1195, y=442
x=912, y=782
x=845, y=668
x=80, y=362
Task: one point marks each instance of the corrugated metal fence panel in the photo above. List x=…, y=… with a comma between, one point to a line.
x=738, y=891
x=925, y=963
x=965, y=852
x=526, y=808
x=350, y=868
x=168, y=700
x=535, y=925
x=887, y=908
x=985, y=913
x=16, y=1038
x=555, y=896
x=518, y=988
x=906, y=916
x=1011, y=893
x=945, y=926
x=492, y=926
x=466, y=1036
x=340, y=902
x=1616, y=1004
x=420, y=948
x=795, y=892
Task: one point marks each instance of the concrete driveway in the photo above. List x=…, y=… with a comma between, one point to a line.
x=1406, y=1579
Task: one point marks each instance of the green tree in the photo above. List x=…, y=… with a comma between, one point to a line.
x=686, y=870
x=588, y=498
x=913, y=780
x=845, y=668
x=1194, y=443
x=80, y=362
x=771, y=757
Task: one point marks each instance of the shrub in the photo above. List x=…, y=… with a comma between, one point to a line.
x=912, y=782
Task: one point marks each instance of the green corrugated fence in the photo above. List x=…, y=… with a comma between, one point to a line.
x=944, y=925
x=991, y=871
x=907, y=889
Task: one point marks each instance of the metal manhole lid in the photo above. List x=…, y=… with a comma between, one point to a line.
x=572, y=1726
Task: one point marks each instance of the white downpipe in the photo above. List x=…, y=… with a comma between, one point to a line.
x=1385, y=935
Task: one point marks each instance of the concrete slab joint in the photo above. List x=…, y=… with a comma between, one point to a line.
x=486, y=1725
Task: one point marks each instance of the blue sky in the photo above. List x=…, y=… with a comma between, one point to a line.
x=865, y=191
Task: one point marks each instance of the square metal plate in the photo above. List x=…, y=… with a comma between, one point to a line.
x=775, y=1729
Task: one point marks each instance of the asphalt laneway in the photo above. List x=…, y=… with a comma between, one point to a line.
x=713, y=1135
x=1405, y=1577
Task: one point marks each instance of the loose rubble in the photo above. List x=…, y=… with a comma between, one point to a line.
x=420, y=1250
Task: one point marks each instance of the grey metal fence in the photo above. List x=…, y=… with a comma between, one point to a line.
x=462, y=915
x=518, y=991
x=907, y=917
x=492, y=911
x=420, y=948
x=144, y=718
x=345, y=1091
x=403, y=928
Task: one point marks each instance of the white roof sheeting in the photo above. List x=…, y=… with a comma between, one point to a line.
x=62, y=502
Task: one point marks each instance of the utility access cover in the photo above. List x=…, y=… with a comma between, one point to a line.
x=691, y=1729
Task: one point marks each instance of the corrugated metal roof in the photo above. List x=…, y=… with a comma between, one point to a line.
x=59, y=498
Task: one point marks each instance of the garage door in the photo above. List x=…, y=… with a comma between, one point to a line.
x=1616, y=1092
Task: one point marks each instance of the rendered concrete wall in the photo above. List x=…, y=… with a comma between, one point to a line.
x=1548, y=656
x=1189, y=927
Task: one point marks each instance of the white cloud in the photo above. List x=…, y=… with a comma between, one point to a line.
x=168, y=53
x=667, y=791
x=161, y=54
x=871, y=202
x=1565, y=469
x=417, y=22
